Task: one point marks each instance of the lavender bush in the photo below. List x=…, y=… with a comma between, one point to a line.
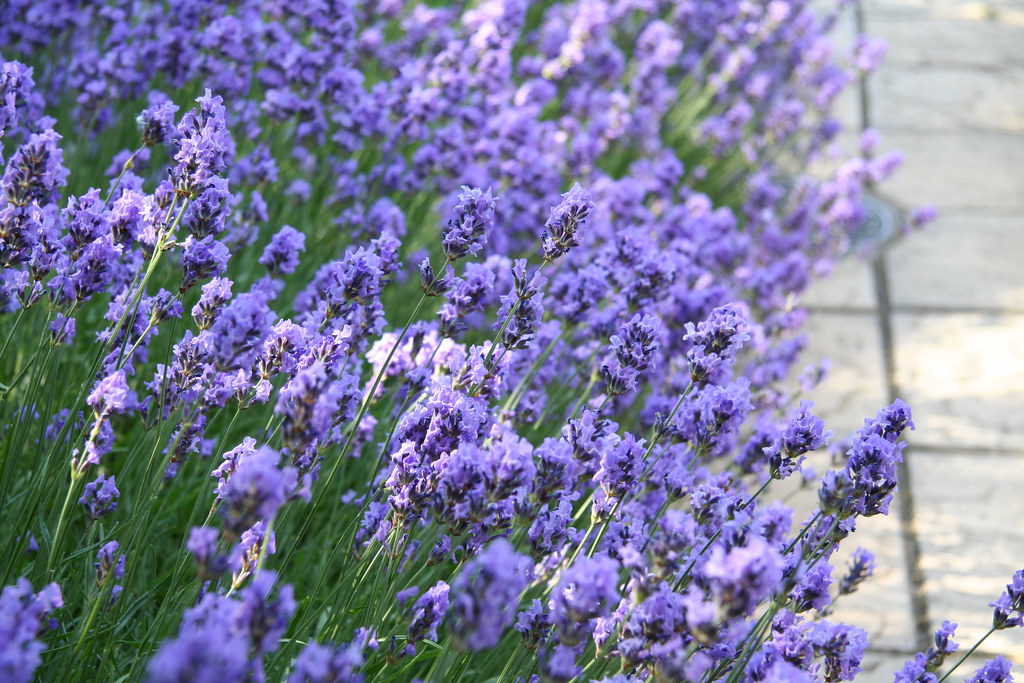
x=390, y=341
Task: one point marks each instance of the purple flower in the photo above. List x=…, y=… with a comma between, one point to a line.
x=313, y=403
x=862, y=566
x=634, y=347
x=433, y=284
x=201, y=259
x=922, y=216
x=522, y=307
x=62, y=329
x=588, y=589
x=203, y=148
x=620, y=467
x=215, y=294
x=223, y=639
x=715, y=342
x=156, y=123
x=230, y=463
x=842, y=647
x=427, y=613
x=16, y=87
x=812, y=589
x=471, y=222
x=256, y=489
x=561, y=231
x=865, y=486
x=743, y=576
x=282, y=254
x=35, y=171
x=266, y=618
x=100, y=497
x=1009, y=607
x=207, y=213
x=162, y=307
x=110, y=564
x=534, y=625
x=552, y=529
x=916, y=671
x=944, y=642
x=920, y=669
x=202, y=543
x=803, y=433
x=890, y=422
x=319, y=664
x=485, y=595
x=993, y=671
x=468, y=294
x=235, y=336
x=560, y=664
x=23, y=617
x=868, y=53
x=110, y=395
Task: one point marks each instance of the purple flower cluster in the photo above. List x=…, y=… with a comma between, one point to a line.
x=484, y=596
x=100, y=497
x=224, y=639
x=559, y=430
x=24, y=616
x=471, y=223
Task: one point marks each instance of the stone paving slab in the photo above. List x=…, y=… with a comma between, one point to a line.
x=963, y=260
x=968, y=508
x=927, y=42
x=879, y=666
x=850, y=286
x=951, y=170
x=1004, y=11
x=951, y=98
x=963, y=375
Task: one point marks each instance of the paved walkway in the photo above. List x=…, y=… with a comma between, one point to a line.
x=937, y=319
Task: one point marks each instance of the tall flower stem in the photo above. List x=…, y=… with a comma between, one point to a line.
x=967, y=654
x=58, y=535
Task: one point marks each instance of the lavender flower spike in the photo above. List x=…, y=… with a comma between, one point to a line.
x=156, y=124
x=485, y=596
x=110, y=395
x=256, y=489
x=470, y=225
x=22, y=618
x=427, y=613
x=715, y=342
x=993, y=671
x=1009, y=607
x=634, y=347
x=100, y=497
x=561, y=232
x=282, y=254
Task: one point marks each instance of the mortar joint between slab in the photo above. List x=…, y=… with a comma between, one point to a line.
x=908, y=529
x=911, y=545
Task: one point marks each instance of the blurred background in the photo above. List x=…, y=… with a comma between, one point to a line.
x=937, y=318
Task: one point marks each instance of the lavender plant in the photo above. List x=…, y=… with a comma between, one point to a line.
x=549, y=456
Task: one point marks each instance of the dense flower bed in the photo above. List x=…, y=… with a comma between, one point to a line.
x=394, y=341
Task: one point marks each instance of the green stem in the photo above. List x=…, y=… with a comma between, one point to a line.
x=967, y=654
x=10, y=334
x=97, y=600
x=58, y=535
